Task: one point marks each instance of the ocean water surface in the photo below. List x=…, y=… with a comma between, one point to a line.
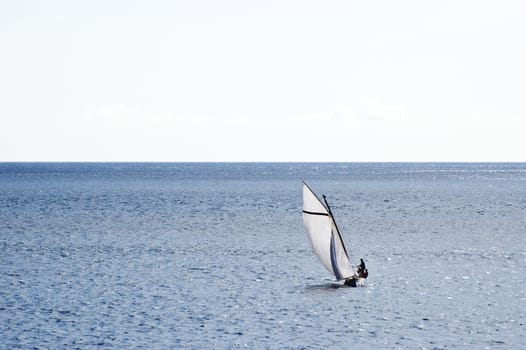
x=215, y=256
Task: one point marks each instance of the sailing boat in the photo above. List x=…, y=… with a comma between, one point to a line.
x=326, y=239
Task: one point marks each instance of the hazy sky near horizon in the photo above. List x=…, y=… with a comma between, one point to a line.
x=286, y=80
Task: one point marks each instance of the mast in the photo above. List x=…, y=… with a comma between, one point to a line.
x=335, y=225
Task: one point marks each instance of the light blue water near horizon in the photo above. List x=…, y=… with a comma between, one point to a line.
x=215, y=255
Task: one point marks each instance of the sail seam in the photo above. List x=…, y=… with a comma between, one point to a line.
x=315, y=213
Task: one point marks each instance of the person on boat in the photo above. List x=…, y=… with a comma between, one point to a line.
x=361, y=267
x=362, y=271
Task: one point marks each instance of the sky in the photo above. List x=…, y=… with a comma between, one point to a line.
x=276, y=81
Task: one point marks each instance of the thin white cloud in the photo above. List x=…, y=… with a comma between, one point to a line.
x=111, y=112
x=357, y=113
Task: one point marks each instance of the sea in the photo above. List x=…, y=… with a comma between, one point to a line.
x=216, y=256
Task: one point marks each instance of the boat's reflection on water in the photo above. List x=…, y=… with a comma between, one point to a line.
x=326, y=286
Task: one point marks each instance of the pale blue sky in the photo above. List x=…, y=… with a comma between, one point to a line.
x=263, y=80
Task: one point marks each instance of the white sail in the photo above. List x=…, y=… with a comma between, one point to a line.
x=341, y=265
x=324, y=236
